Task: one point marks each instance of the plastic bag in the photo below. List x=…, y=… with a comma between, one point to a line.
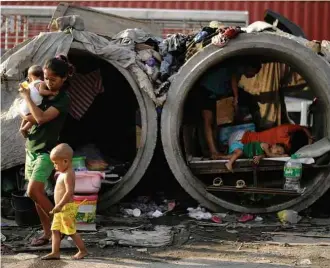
x=316, y=149
x=288, y=216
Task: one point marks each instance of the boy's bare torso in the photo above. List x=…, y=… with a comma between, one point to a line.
x=60, y=187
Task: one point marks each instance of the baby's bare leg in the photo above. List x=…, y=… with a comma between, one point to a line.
x=233, y=157
x=25, y=126
x=80, y=245
x=56, y=243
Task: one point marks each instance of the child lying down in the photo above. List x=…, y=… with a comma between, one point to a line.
x=253, y=150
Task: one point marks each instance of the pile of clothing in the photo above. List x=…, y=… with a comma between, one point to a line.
x=160, y=58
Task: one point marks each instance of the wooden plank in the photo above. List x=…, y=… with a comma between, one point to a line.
x=220, y=168
x=206, y=166
x=256, y=190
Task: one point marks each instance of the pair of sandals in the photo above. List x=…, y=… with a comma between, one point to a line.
x=239, y=183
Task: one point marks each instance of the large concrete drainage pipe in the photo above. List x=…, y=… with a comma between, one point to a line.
x=312, y=67
x=110, y=122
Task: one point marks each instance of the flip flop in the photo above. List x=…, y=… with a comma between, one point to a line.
x=45, y=258
x=39, y=242
x=245, y=218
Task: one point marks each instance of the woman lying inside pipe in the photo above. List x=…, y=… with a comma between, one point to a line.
x=217, y=83
x=293, y=137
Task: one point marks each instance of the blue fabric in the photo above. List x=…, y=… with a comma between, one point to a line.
x=236, y=145
x=226, y=132
x=218, y=80
x=166, y=64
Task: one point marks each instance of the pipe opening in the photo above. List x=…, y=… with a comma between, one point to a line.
x=280, y=93
x=111, y=127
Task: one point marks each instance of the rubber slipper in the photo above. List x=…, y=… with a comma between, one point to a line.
x=41, y=241
x=246, y=218
x=45, y=258
x=216, y=219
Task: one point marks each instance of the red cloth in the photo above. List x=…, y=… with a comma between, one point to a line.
x=280, y=134
x=83, y=90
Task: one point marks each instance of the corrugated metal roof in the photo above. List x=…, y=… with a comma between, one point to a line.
x=312, y=16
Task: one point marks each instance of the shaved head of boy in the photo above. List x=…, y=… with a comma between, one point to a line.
x=61, y=156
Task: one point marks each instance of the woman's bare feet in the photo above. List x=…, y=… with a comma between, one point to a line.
x=229, y=166
x=51, y=256
x=80, y=255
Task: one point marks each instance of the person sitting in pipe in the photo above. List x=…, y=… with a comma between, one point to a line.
x=221, y=82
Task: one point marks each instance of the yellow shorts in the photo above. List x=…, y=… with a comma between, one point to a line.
x=65, y=221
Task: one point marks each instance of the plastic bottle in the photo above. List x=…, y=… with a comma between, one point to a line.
x=292, y=174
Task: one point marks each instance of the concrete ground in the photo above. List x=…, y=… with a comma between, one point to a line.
x=194, y=244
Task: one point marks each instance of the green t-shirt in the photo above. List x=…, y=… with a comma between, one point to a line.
x=217, y=80
x=43, y=138
x=252, y=149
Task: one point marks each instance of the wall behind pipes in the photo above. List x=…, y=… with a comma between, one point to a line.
x=312, y=16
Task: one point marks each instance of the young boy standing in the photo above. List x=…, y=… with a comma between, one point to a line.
x=65, y=210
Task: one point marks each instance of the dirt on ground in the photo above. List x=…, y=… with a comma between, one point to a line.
x=306, y=244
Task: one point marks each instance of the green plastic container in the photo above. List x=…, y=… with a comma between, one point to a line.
x=78, y=163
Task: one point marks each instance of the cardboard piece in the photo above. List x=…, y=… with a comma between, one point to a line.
x=225, y=111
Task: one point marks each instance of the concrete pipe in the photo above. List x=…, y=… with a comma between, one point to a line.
x=286, y=49
x=109, y=122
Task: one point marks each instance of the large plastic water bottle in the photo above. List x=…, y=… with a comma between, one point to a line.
x=292, y=174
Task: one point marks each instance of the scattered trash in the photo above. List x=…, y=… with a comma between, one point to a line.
x=216, y=219
x=245, y=218
x=144, y=207
x=231, y=231
x=158, y=236
x=136, y=212
x=157, y=214
x=199, y=213
x=305, y=262
x=5, y=250
x=103, y=243
x=221, y=215
x=289, y=216
x=128, y=211
x=142, y=249
x=240, y=246
x=25, y=256
x=3, y=238
x=258, y=219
